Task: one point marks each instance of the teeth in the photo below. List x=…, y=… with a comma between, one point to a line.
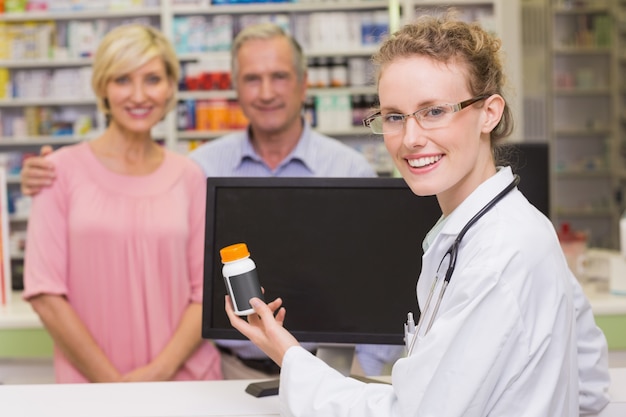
x=138, y=112
x=422, y=162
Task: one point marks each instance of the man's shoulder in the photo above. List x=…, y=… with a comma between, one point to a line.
x=216, y=147
x=336, y=153
x=219, y=155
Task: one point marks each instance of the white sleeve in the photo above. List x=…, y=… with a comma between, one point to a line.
x=593, y=364
x=309, y=387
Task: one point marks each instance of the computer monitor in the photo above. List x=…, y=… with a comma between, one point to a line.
x=344, y=254
x=531, y=161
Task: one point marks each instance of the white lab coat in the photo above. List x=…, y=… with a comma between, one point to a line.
x=503, y=342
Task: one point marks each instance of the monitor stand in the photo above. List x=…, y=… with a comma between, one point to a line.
x=338, y=356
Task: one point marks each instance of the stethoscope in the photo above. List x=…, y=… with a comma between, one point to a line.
x=451, y=254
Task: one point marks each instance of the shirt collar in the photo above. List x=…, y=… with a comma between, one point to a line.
x=303, y=152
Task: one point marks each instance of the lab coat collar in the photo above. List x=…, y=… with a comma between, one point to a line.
x=484, y=193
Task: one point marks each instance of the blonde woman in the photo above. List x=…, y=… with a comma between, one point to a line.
x=115, y=246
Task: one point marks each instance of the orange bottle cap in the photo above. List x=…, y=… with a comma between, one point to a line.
x=234, y=252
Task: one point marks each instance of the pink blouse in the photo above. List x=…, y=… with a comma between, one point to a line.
x=126, y=251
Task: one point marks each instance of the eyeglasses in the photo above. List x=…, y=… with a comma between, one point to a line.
x=431, y=117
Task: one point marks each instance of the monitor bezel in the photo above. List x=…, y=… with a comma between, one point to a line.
x=211, y=253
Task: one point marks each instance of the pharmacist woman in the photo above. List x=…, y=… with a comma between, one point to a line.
x=498, y=335
x=115, y=245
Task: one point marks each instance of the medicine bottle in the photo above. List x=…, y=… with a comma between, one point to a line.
x=240, y=277
x=338, y=72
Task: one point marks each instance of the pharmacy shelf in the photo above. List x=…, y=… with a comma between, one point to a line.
x=54, y=140
x=329, y=53
x=18, y=218
x=17, y=256
x=594, y=91
x=81, y=14
x=45, y=63
x=353, y=131
x=582, y=81
x=619, y=154
x=304, y=7
x=342, y=90
x=581, y=50
x=47, y=101
x=598, y=174
x=564, y=9
x=230, y=94
x=164, y=16
x=206, y=94
x=11, y=142
x=190, y=135
x=583, y=213
x=564, y=133
x=13, y=179
x=356, y=52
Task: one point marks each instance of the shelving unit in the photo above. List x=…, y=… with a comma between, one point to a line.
x=361, y=22
x=164, y=14
x=618, y=156
x=582, y=112
x=317, y=45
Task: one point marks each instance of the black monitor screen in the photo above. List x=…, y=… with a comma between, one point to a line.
x=344, y=254
x=531, y=161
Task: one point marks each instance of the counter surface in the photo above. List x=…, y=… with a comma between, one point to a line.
x=604, y=303
x=18, y=314
x=182, y=399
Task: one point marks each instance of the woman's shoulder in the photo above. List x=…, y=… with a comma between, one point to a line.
x=69, y=159
x=184, y=165
x=69, y=153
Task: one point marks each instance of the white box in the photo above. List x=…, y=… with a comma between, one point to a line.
x=609, y=265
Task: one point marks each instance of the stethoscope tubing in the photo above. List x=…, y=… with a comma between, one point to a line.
x=452, y=253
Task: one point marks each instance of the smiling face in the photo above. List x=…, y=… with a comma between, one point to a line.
x=450, y=161
x=268, y=88
x=138, y=100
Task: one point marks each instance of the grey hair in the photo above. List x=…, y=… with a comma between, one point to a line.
x=267, y=31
